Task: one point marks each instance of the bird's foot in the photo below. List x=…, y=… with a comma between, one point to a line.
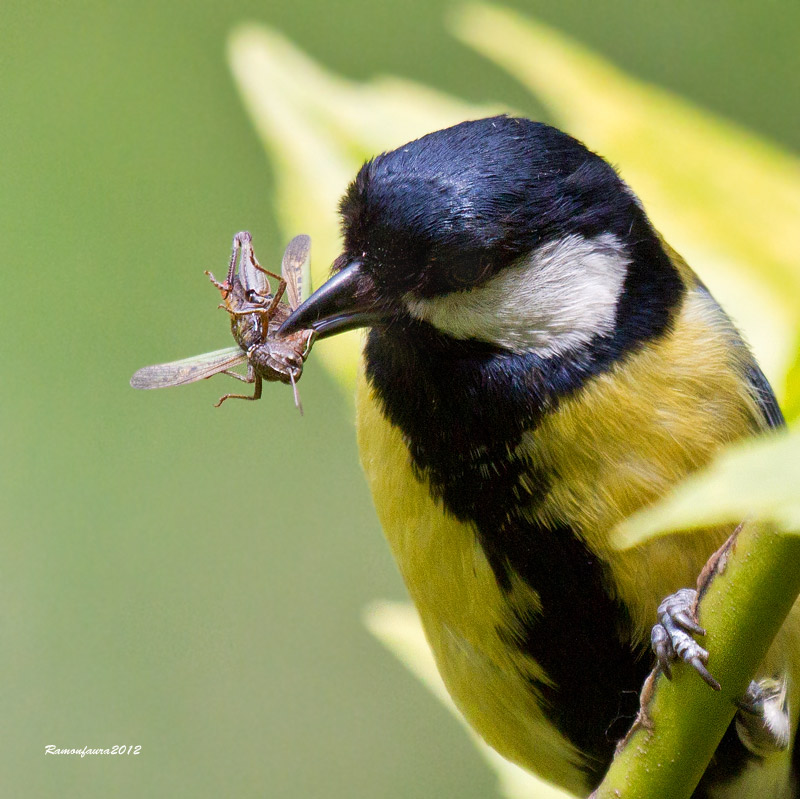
x=762, y=722
x=671, y=637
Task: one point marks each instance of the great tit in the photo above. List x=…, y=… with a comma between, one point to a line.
x=540, y=364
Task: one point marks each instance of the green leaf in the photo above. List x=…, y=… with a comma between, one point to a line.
x=756, y=479
x=791, y=405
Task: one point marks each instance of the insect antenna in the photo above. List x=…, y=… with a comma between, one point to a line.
x=296, y=393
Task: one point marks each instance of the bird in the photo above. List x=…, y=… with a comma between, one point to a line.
x=539, y=364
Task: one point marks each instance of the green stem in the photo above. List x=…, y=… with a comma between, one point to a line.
x=742, y=611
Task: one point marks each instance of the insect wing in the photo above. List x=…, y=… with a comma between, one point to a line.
x=188, y=370
x=253, y=279
x=305, y=277
x=295, y=269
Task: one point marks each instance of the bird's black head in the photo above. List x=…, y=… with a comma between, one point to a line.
x=500, y=230
x=451, y=209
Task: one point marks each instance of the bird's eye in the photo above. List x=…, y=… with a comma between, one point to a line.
x=468, y=272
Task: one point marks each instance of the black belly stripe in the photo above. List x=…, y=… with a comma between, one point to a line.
x=582, y=637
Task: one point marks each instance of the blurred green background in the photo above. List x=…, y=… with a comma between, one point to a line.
x=192, y=580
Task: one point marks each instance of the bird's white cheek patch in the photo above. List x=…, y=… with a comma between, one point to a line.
x=565, y=293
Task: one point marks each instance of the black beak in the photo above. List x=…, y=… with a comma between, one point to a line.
x=347, y=301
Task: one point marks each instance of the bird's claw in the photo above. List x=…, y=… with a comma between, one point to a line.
x=671, y=637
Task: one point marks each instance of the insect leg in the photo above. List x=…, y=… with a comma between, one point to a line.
x=256, y=394
x=248, y=252
x=250, y=377
x=255, y=310
x=225, y=288
x=273, y=299
x=266, y=271
x=278, y=294
x=241, y=241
